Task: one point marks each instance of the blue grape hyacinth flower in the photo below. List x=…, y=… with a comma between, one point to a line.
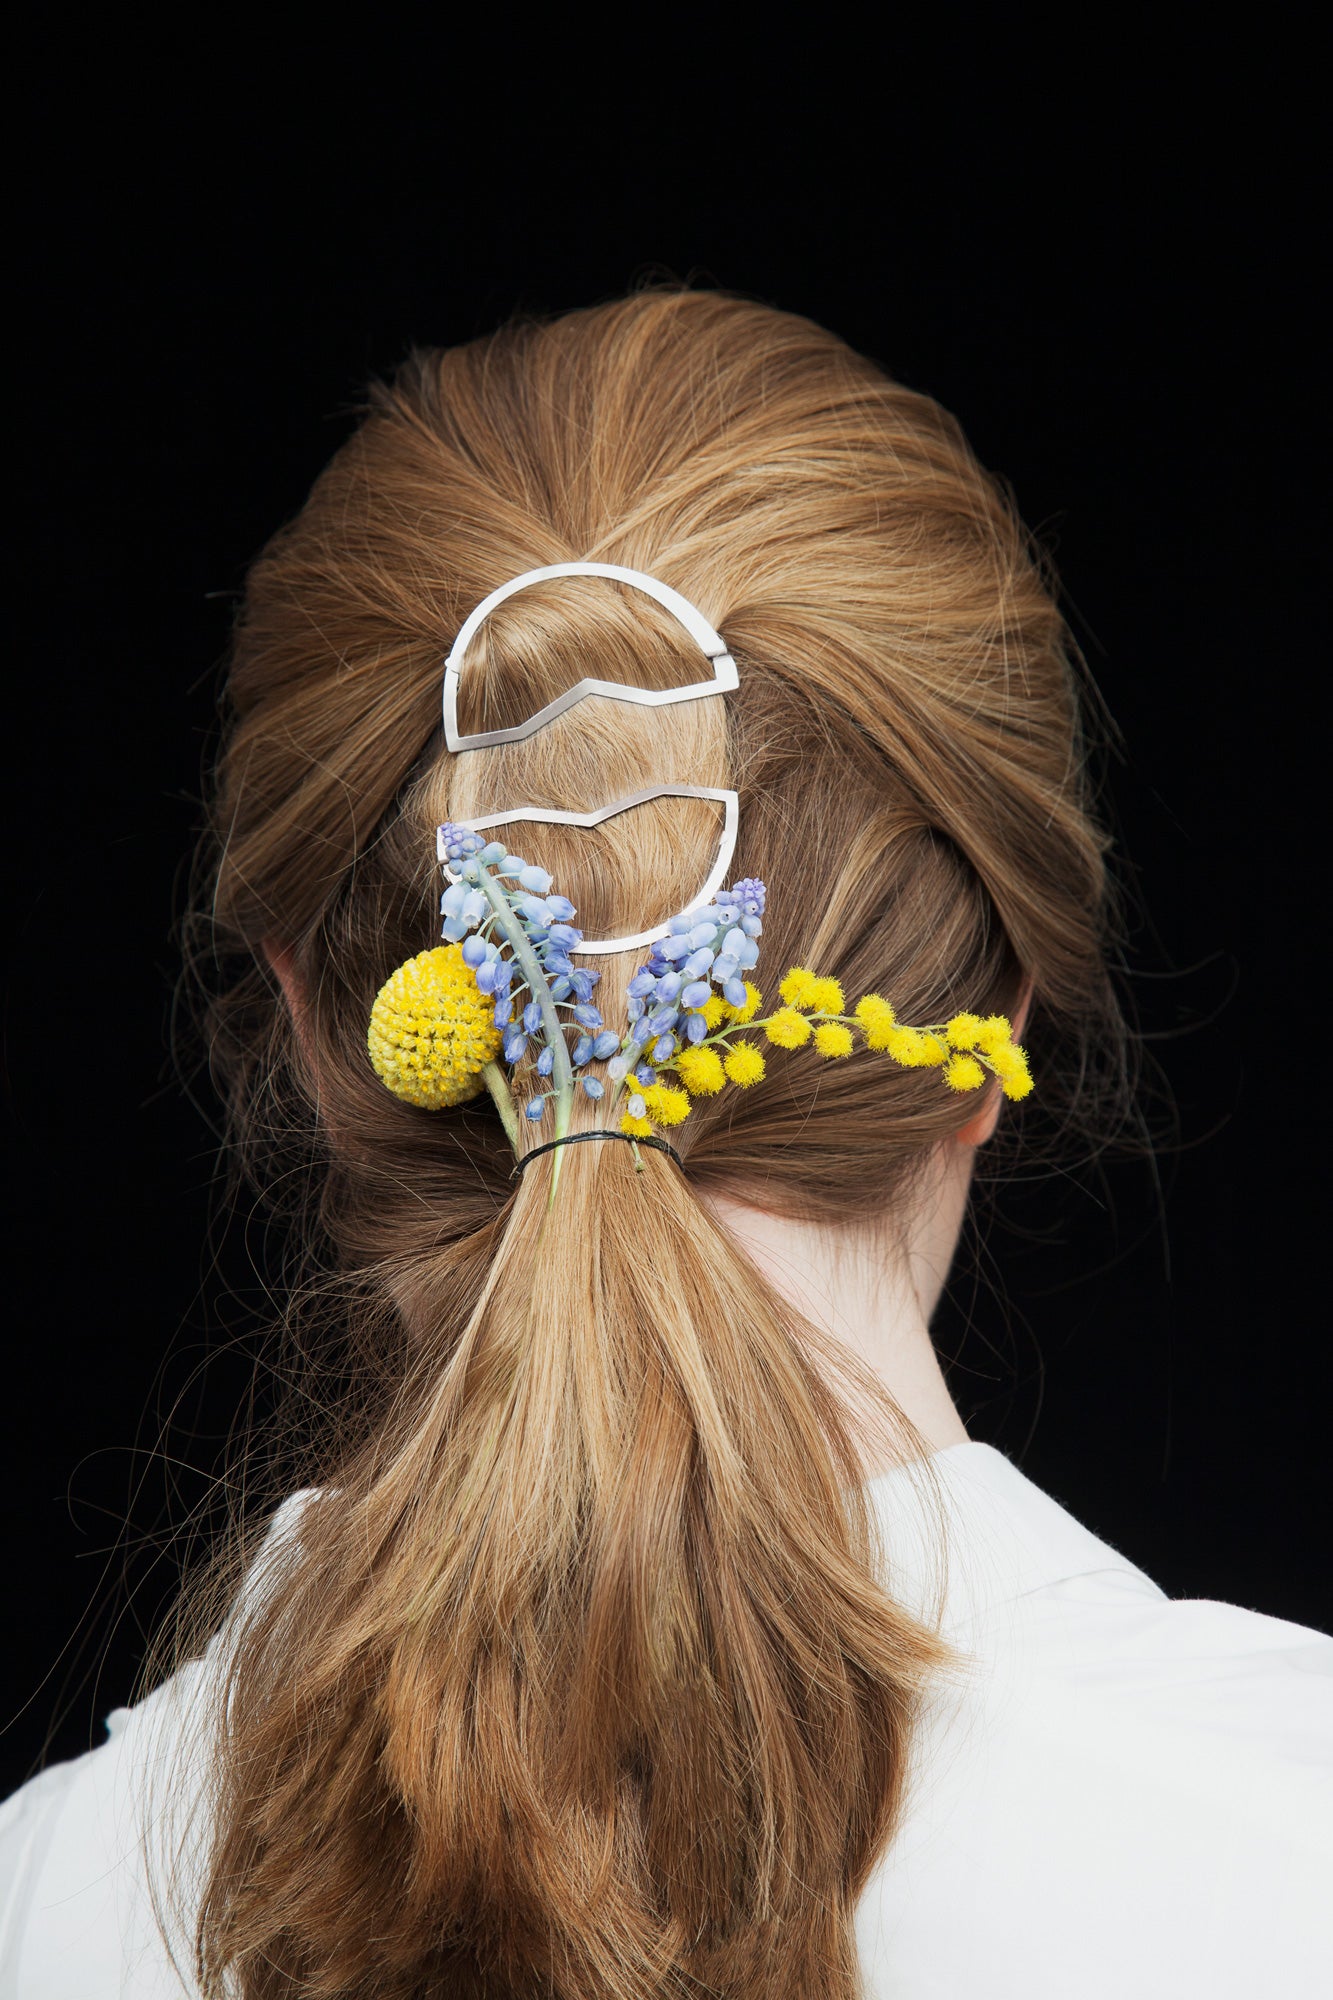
x=714, y=946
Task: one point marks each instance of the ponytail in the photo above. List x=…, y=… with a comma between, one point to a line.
x=597, y=1696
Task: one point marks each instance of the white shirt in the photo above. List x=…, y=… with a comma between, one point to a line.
x=1124, y=1798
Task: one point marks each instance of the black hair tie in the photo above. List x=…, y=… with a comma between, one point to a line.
x=578, y=1138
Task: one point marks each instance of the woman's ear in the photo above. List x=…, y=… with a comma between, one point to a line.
x=282, y=963
x=980, y=1129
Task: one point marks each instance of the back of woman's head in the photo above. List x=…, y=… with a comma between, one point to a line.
x=583, y=1680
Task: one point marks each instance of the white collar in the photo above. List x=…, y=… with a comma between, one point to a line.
x=1004, y=1536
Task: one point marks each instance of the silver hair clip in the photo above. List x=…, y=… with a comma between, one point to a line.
x=712, y=645
x=605, y=947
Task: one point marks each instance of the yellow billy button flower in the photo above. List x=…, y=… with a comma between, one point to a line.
x=700, y=1070
x=798, y=988
x=964, y=1032
x=964, y=1072
x=877, y=1020
x=432, y=1031
x=754, y=1000
x=832, y=1039
x=666, y=1105
x=787, y=1029
x=745, y=1064
x=636, y=1128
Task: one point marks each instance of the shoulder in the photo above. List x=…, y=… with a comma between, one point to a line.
x=77, y=1848
x=1230, y=1707
x=1126, y=1792
x=1191, y=1658
x=85, y=1843
x=1214, y=1718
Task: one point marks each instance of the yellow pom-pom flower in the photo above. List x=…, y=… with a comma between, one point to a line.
x=754, y=1000
x=787, y=1028
x=432, y=1031
x=1010, y=1064
x=993, y=1033
x=963, y=1032
x=964, y=1072
x=636, y=1128
x=665, y=1104
x=745, y=1065
x=877, y=1020
x=700, y=1070
x=915, y=1048
x=715, y=1011
x=798, y=988
x=832, y=1039
x=827, y=997
x=905, y=1046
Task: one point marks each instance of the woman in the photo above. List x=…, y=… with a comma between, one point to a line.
x=649, y=1625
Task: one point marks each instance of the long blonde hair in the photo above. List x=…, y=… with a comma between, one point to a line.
x=584, y=1678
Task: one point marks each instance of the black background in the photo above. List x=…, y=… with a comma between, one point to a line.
x=1095, y=250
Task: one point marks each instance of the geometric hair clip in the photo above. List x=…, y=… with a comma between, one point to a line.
x=717, y=875
x=710, y=643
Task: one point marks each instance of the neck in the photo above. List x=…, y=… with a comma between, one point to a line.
x=870, y=1293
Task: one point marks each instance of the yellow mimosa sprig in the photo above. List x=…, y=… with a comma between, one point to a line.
x=965, y=1049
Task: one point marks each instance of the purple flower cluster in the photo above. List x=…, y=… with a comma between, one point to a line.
x=709, y=947
x=517, y=936
x=471, y=918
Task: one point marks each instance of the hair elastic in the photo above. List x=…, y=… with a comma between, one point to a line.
x=578, y=1138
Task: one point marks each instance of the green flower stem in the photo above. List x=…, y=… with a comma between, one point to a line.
x=729, y=1030
x=497, y=1083
x=562, y=1069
